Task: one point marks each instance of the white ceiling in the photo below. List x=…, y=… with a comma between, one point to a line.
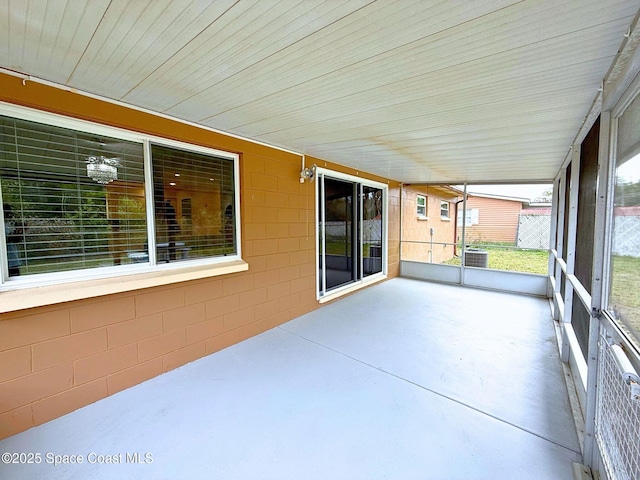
x=415, y=90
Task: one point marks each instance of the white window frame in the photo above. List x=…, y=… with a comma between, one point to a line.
x=472, y=217
x=201, y=267
x=424, y=206
x=628, y=97
x=442, y=204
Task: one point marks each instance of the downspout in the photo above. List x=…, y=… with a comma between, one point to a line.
x=455, y=228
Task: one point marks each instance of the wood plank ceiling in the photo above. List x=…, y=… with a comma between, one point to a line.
x=415, y=90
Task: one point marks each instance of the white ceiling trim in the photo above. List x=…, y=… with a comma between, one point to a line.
x=31, y=78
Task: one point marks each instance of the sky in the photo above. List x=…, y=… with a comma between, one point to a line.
x=629, y=171
x=529, y=191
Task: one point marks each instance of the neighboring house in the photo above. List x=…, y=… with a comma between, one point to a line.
x=428, y=226
x=492, y=218
x=537, y=208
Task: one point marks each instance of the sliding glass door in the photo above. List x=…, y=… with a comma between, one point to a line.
x=351, y=228
x=340, y=265
x=372, y=229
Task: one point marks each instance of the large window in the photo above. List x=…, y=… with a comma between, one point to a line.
x=624, y=290
x=85, y=198
x=624, y=294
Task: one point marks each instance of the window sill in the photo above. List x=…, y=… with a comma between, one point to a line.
x=20, y=299
x=445, y=219
x=422, y=219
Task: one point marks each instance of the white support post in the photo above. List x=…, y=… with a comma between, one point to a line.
x=553, y=238
x=464, y=233
x=597, y=285
x=560, y=241
x=571, y=246
x=401, y=203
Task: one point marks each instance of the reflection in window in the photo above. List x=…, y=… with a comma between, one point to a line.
x=372, y=230
x=351, y=232
x=341, y=238
x=624, y=296
x=194, y=204
x=71, y=200
x=74, y=200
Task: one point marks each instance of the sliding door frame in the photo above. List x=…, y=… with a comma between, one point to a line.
x=322, y=294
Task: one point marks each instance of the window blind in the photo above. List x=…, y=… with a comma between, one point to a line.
x=194, y=204
x=57, y=217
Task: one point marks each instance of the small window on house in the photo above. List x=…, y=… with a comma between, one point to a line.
x=444, y=209
x=421, y=206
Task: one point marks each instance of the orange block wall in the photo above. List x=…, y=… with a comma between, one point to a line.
x=57, y=358
x=416, y=232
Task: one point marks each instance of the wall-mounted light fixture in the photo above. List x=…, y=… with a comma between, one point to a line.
x=102, y=169
x=308, y=173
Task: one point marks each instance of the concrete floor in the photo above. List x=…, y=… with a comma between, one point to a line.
x=404, y=380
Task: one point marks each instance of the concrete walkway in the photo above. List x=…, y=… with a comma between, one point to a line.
x=404, y=380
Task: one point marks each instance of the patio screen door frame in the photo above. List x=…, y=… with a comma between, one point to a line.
x=363, y=224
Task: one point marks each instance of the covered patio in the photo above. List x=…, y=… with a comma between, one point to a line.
x=207, y=209
x=406, y=379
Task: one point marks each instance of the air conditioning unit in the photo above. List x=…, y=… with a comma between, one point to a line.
x=475, y=257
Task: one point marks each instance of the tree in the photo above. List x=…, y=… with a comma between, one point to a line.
x=545, y=197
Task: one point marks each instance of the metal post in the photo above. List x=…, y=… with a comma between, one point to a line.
x=464, y=232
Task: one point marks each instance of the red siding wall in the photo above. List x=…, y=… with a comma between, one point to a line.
x=498, y=220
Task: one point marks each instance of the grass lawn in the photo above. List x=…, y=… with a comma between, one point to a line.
x=513, y=260
x=625, y=292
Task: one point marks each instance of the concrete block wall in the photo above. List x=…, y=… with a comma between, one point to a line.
x=59, y=357
x=416, y=231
